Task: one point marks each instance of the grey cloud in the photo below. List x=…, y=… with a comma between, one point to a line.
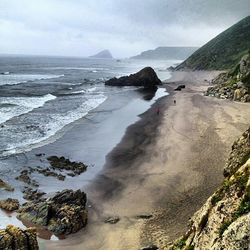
x=82, y=27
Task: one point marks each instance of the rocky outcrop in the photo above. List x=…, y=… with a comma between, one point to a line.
x=223, y=222
x=61, y=163
x=64, y=213
x=239, y=154
x=146, y=78
x=4, y=185
x=9, y=204
x=14, y=238
x=233, y=85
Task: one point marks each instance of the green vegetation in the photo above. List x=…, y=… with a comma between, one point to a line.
x=222, y=52
x=180, y=244
x=224, y=226
x=216, y=198
x=244, y=206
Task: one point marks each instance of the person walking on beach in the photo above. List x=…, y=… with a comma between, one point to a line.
x=158, y=111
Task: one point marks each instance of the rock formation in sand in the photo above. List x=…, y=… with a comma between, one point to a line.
x=146, y=78
x=235, y=84
x=13, y=238
x=64, y=213
x=223, y=222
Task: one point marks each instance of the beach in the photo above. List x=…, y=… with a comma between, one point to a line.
x=163, y=169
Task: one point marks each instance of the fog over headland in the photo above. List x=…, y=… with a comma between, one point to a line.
x=125, y=27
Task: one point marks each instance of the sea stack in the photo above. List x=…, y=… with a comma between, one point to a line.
x=146, y=78
x=104, y=54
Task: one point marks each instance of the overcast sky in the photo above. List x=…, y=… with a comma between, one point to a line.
x=125, y=27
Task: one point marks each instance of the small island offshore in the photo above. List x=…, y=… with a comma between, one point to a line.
x=128, y=154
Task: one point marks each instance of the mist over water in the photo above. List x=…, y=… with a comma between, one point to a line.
x=39, y=96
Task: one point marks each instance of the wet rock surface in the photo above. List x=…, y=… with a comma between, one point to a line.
x=65, y=213
x=9, y=204
x=146, y=78
x=14, y=238
x=4, y=185
x=61, y=163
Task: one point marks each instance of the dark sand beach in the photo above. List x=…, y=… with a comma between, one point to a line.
x=163, y=169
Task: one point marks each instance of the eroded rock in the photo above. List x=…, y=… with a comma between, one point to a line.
x=64, y=213
x=146, y=78
x=14, y=238
x=9, y=204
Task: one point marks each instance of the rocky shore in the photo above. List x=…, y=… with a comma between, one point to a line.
x=234, y=84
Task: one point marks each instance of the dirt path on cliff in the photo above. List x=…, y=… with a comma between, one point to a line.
x=166, y=166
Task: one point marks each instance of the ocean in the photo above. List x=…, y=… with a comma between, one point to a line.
x=60, y=106
x=40, y=96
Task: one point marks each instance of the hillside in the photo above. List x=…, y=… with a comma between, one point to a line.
x=164, y=53
x=105, y=54
x=222, y=52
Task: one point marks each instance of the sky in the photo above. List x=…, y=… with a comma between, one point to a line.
x=125, y=27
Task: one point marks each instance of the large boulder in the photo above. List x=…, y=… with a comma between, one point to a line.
x=146, y=78
x=13, y=238
x=64, y=213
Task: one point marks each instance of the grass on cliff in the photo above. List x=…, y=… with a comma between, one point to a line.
x=222, y=52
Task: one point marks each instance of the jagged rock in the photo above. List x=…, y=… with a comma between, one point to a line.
x=146, y=78
x=14, y=238
x=34, y=195
x=64, y=213
x=9, y=204
x=6, y=186
x=62, y=163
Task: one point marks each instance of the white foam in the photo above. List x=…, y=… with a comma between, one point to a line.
x=15, y=106
x=12, y=79
x=54, y=124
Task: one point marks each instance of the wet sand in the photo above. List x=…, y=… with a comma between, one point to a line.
x=166, y=166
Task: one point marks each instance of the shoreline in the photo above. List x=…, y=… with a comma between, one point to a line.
x=176, y=163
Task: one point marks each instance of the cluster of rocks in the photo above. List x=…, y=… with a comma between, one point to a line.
x=233, y=85
x=9, y=204
x=64, y=213
x=13, y=238
x=146, y=78
x=61, y=163
x=223, y=222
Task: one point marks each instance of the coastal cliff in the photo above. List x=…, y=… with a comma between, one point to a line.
x=234, y=84
x=222, y=52
x=223, y=222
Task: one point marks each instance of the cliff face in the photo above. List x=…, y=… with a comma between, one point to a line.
x=223, y=222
